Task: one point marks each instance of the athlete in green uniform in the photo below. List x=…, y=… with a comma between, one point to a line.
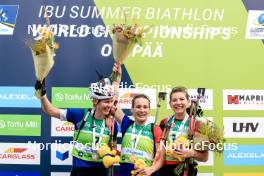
x=140, y=139
x=177, y=127
x=92, y=127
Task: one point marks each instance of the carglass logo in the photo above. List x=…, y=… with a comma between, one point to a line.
x=8, y=15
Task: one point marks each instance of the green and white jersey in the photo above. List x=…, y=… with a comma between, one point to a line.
x=83, y=146
x=174, y=133
x=138, y=143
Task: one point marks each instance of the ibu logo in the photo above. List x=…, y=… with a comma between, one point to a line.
x=8, y=15
x=261, y=19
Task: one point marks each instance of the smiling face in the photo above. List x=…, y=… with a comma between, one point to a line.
x=179, y=103
x=103, y=106
x=140, y=110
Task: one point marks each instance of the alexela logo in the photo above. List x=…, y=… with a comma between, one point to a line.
x=243, y=99
x=243, y=174
x=255, y=24
x=18, y=97
x=61, y=128
x=18, y=153
x=244, y=127
x=15, y=173
x=8, y=15
x=251, y=155
x=206, y=102
x=126, y=95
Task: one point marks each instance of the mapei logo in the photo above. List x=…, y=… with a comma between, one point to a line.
x=8, y=15
x=62, y=155
x=232, y=99
x=243, y=99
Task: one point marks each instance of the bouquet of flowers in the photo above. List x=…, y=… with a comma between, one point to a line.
x=43, y=51
x=208, y=133
x=125, y=37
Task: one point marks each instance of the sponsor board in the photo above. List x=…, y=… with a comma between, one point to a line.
x=244, y=127
x=206, y=102
x=8, y=15
x=205, y=174
x=126, y=95
x=61, y=128
x=19, y=97
x=60, y=174
x=61, y=154
x=245, y=155
x=14, y=173
x=71, y=97
x=243, y=174
x=255, y=24
x=19, y=153
x=20, y=125
x=243, y=99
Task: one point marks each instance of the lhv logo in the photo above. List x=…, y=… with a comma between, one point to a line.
x=8, y=15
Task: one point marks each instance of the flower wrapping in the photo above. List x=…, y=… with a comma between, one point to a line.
x=43, y=51
x=125, y=37
x=122, y=47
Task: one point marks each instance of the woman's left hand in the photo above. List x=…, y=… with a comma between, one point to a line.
x=147, y=171
x=184, y=153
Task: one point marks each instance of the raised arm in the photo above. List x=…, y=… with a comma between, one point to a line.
x=45, y=103
x=118, y=112
x=48, y=108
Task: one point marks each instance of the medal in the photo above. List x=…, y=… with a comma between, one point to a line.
x=95, y=156
x=133, y=158
x=135, y=139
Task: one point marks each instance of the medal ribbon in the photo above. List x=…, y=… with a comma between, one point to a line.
x=135, y=143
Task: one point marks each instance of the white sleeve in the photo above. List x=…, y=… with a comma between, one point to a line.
x=63, y=114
